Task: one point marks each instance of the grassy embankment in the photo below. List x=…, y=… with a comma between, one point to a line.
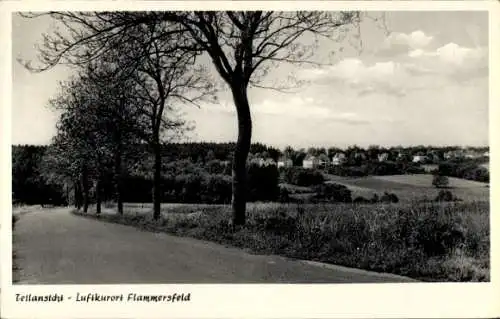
x=426, y=241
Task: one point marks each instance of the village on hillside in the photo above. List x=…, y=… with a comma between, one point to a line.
x=324, y=160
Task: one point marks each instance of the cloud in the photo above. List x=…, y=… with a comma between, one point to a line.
x=416, y=39
x=418, y=69
x=453, y=53
x=307, y=107
x=452, y=60
x=401, y=43
x=384, y=77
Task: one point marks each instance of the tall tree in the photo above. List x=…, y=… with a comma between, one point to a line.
x=243, y=47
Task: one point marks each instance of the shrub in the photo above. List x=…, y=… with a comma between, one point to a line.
x=218, y=167
x=389, y=198
x=280, y=224
x=137, y=189
x=351, y=171
x=284, y=196
x=360, y=200
x=218, y=189
x=440, y=181
x=15, y=218
x=262, y=183
x=333, y=192
x=446, y=196
x=376, y=168
x=302, y=176
x=466, y=169
x=199, y=188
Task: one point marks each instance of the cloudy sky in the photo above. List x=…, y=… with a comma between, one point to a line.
x=425, y=82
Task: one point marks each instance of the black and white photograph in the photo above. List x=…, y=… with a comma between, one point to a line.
x=248, y=146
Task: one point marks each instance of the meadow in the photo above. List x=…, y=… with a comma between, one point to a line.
x=409, y=188
x=426, y=241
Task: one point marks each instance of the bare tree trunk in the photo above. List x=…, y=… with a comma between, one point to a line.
x=118, y=176
x=98, y=196
x=85, y=187
x=241, y=151
x=156, y=177
x=78, y=195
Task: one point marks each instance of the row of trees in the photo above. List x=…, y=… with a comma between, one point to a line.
x=34, y=180
x=134, y=66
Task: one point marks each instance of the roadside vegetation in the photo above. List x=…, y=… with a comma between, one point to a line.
x=426, y=241
x=15, y=266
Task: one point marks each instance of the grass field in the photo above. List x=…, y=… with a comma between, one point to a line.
x=426, y=241
x=425, y=180
x=411, y=187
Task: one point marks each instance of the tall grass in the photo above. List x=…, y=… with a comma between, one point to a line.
x=428, y=241
x=15, y=266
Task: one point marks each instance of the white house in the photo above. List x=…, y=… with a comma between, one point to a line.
x=310, y=162
x=339, y=159
x=360, y=156
x=383, y=157
x=285, y=162
x=419, y=158
x=323, y=161
x=262, y=161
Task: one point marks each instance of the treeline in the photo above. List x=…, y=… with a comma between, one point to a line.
x=467, y=170
x=29, y=185
x=191, y=173
x=376, y=168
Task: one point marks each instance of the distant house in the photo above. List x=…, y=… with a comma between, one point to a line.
x=310, y=162
x=323, y=161
x=339, y=159
x=285, y=162
x=448, y=155
x=435, y=158
x=459, y=154
x=383, y=157
x=429, y=168
x=419, y=158
x=359, y=156
x=473, y=154
x=268, y=162
x=263, y=161
x=401, y=156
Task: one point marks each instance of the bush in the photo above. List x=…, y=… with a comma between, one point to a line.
x=333, y=193
x=284, y=196
x=262, y=182
x=466, y=169
x=280, y=224
x=440, y=181
x=375, y=199
x=446, y=196
x=302, y=176
x=389, y=198
x=361, y=200
x=199, y=188
x=137, y=189
x=218, y=167
x=376, y=168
